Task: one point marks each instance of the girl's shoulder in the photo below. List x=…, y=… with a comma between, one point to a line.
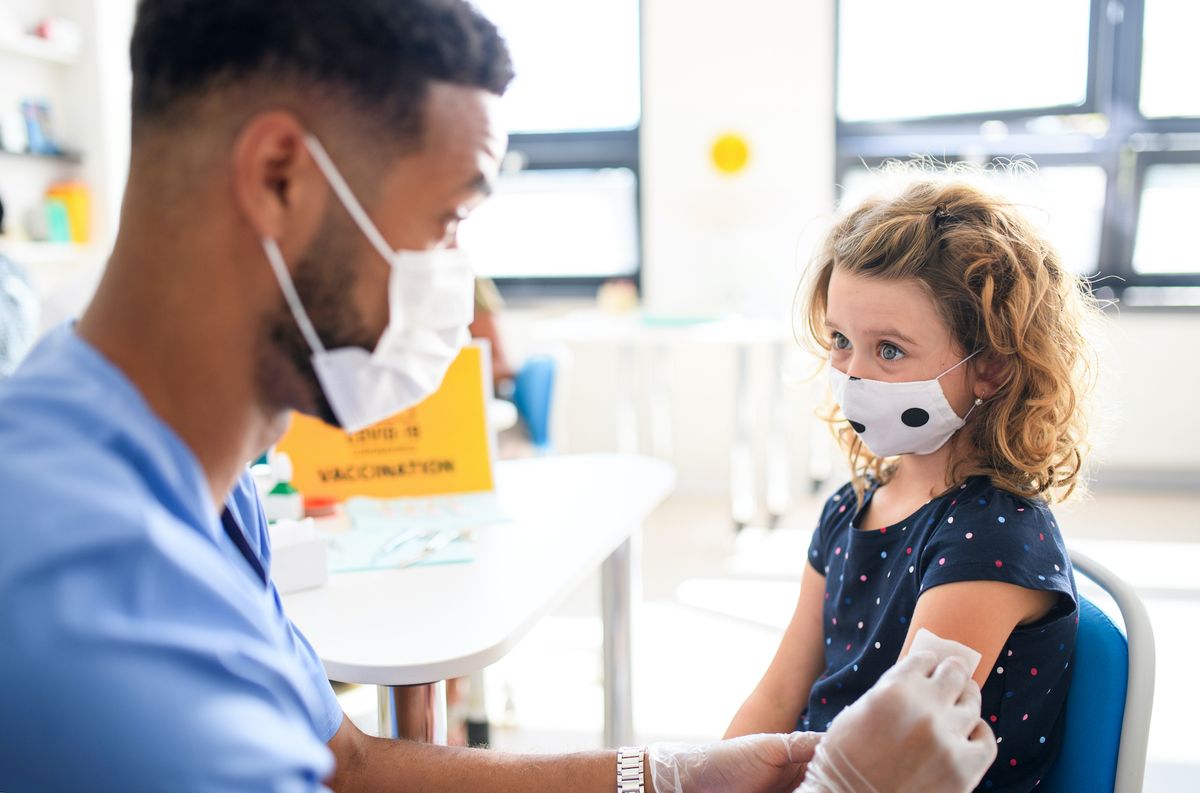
x=841, y=500
x=834, y=522
x=985, y=532
x=979, y=498
x=844, y=499
x=842, y=506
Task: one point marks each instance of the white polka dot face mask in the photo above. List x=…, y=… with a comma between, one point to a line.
x=898, y=418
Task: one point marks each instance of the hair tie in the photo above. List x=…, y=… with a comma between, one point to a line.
x=940, y=215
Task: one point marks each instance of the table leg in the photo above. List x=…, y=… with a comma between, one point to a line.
x=741, y=460
x=777, y=469
x=617, y=604
x=661, y=441
x=478, y=729
x=414, y=713
x=628, y=429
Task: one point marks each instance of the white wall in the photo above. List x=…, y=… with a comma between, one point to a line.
x=759, y=68
x=1149, y=397
x=715, y=243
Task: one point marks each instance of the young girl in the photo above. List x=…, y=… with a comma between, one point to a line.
x=958, y=362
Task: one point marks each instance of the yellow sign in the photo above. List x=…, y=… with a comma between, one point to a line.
x=443, y=445
x=730, y=153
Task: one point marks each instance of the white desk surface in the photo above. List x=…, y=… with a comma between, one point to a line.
x=424, y=624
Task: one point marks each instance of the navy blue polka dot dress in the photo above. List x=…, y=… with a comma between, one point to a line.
x=975, y=533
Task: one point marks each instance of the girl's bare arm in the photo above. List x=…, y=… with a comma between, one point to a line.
x=782, y=694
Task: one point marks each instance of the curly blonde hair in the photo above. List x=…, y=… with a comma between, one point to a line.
x=1002, y=290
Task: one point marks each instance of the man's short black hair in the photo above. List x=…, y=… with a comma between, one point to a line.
x=377, y=55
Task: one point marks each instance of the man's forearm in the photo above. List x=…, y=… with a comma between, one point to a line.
x=375, y=765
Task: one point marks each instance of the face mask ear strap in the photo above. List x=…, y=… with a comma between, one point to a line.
x=349, y=201
x=275, y=257
x=978, y=401
x=960, y=363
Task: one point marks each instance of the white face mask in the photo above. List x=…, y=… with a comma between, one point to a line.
x=898, y=418
x=431, y=301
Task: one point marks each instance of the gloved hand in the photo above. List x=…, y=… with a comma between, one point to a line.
x=917, y=730
x=749, y=764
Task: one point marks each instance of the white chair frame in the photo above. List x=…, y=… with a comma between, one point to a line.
x=1139, y=691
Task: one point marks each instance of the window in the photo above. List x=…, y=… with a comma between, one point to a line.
x=1170, y=59
x=1170, y=209
x=577, y=63
x=565, y=213
x=1099, y=94
x=930, y=58
x=557, y=224
x=1065, y=201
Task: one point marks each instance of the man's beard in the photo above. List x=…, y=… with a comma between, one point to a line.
x=324, y=279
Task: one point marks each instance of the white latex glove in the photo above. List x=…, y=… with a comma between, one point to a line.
x=917, y=730
x=749, y=764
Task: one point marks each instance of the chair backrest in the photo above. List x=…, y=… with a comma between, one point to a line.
x=533, y=393
x=1112, y=691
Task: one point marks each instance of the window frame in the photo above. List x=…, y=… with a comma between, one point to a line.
x=1144, y=162
x=1050, y=160
x=1108, y=131
x=1090, y=104
x=582, y=150
x=590, y=150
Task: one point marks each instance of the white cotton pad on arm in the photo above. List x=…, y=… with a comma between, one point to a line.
x=926, y=641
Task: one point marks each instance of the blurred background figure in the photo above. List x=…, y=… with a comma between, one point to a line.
x=488, y=305
x=19, y=312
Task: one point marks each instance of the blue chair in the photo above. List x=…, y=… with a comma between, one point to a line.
x=533, y=394
x=1112, y=692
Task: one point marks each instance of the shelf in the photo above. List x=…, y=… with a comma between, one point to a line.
x=37, y=49
x=66, y=158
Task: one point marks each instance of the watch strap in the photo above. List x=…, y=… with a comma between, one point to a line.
x=631, y=769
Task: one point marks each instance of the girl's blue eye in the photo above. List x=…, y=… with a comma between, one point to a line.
x=890, y=352
x=840, y=342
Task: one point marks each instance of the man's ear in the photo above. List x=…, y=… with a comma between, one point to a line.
x=276, y=184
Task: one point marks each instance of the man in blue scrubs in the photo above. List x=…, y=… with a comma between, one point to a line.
x=143, y=645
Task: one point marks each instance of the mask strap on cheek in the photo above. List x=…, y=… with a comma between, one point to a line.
x=978, y=400
x=960, y=363
x=349, y=201
x=275, y=257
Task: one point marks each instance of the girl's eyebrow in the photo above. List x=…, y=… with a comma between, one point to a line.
x=879, y=332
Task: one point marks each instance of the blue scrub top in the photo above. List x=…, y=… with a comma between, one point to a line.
x=138, y=648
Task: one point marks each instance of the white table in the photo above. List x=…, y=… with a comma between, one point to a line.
x=407, y=631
